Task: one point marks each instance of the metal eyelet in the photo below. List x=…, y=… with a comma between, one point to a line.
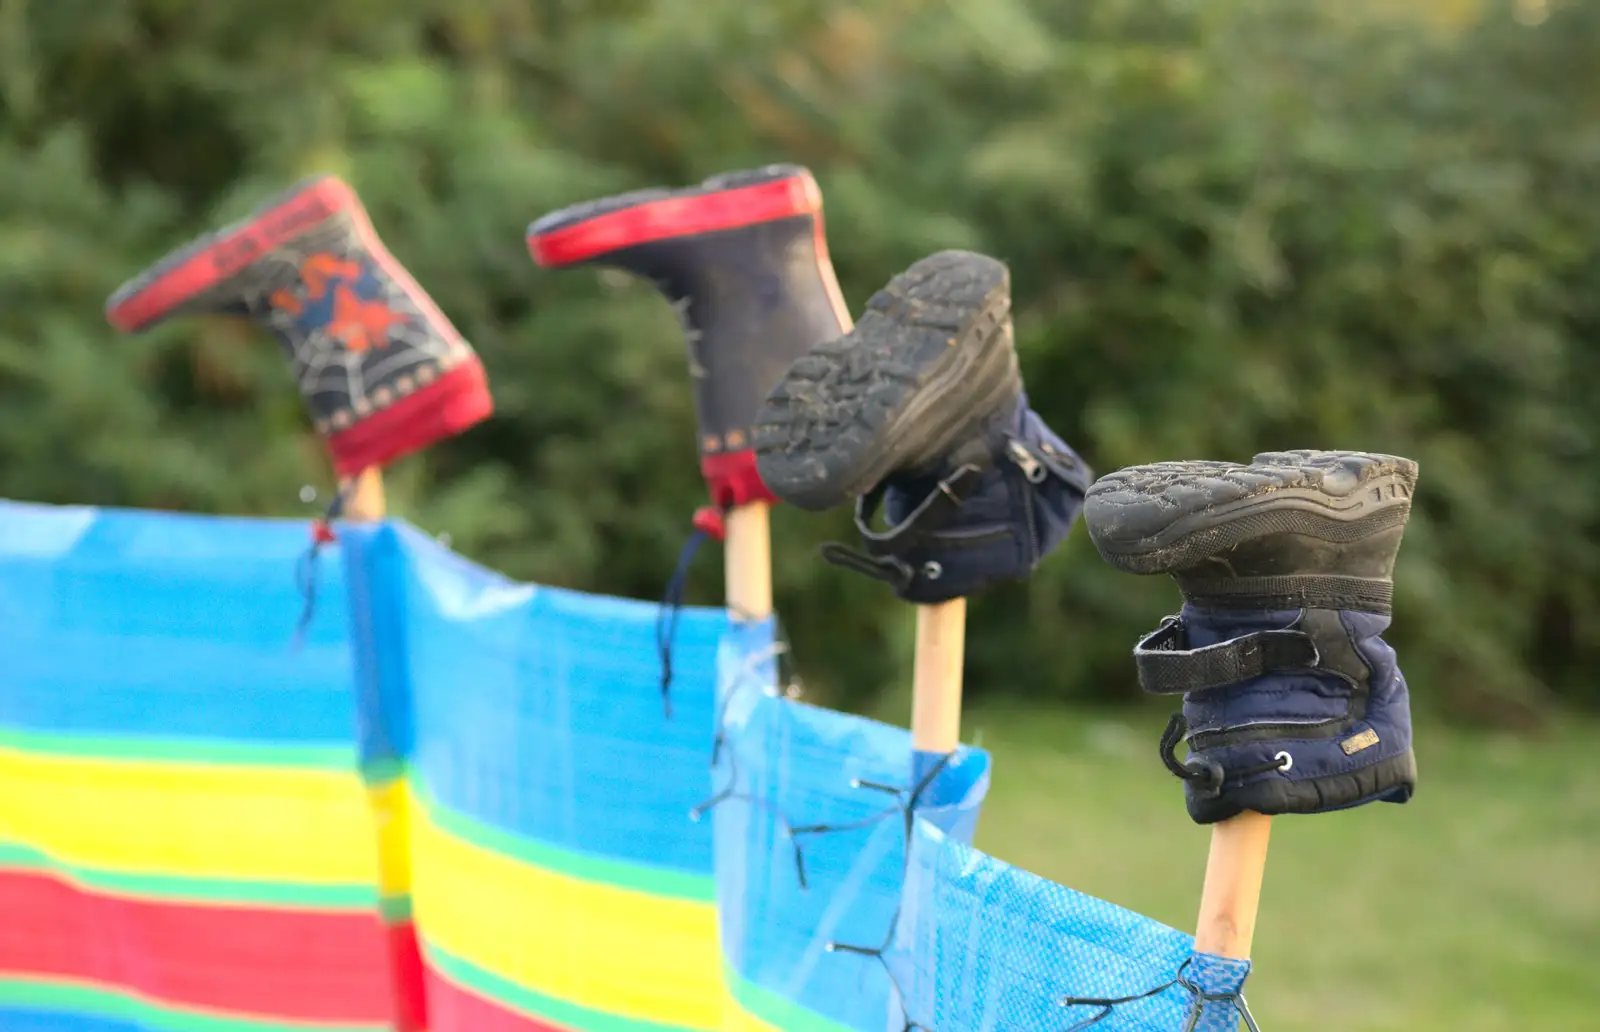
x=1285, y=761
x=932, y=570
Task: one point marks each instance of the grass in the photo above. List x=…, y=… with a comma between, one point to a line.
x=1474, y=908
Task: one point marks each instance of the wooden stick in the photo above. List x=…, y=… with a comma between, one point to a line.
x=747, y=561
x=390, y=801
x=936, y=677
x=366, y=502
x=1232, y=892
x=941, y=652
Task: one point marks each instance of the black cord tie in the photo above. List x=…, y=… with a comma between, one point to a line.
x=1207, y=775
x=902, y=801
x=305, y=573
x=708, y=523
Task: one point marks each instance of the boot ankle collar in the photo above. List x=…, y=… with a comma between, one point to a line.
x=1037, y=461
x=884, y=548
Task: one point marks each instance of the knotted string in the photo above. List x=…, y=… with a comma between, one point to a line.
x=306, y=567
x=708, y=523
x=1199, y=994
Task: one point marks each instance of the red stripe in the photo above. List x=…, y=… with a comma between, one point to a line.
x=297, y=965
x=410, y=993
x=454, y=1008
x=677, y=217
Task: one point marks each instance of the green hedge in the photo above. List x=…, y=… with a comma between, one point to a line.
x=1232, y=227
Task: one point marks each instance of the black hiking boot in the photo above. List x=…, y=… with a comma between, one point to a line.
x=1293, y=703
x=920, y=409
x=929, y=363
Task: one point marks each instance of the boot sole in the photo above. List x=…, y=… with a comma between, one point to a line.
x=929, y=362
x=1173, y=516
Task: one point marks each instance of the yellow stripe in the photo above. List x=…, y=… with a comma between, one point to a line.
x=736, y=1019
x=391, y=812
x=276, y=824
x=594, y=945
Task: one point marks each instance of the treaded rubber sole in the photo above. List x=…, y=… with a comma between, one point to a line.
x=1172, y=516
x=930, y=361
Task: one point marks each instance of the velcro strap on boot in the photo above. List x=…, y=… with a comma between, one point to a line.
x=1167, y=667
x=884, y=548
x=904, y=554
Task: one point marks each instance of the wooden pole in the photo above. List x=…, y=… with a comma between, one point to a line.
x=366, y=501
x=390, y=800
x=747, y=561
x=936, y=677
x=1232, y=892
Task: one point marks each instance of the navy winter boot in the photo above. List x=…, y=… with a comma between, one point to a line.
x=1292, y=702
x=920, y=410
x=744, y=260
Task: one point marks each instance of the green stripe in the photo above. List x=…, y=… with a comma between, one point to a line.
x=340, y=757
x=179, y=889
x=778, y=1011
x=624, y=874
x=547, y=1008
x=395, y=909
x=656, y=881
x=380, y=773
x=96, y=1003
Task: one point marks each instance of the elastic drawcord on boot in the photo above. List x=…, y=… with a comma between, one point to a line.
x=1206, y=774
x=306, y=567
x=708, y=523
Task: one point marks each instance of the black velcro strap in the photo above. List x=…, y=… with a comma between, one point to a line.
x=892, y=570
x=1167, y=667
x=927, y=517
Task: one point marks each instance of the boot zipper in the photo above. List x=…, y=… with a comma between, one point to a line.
x=1031, y=467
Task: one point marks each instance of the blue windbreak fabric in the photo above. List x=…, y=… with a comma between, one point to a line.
x=159, y=625
x=536, y=712
x=811, y=837
x=987, y=947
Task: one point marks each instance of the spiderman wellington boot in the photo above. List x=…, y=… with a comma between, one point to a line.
x=381, y=369
x=743, y=259
x=919, y=411
x=1292, y=701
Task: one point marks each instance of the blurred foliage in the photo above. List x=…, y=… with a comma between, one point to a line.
x=1232, y=227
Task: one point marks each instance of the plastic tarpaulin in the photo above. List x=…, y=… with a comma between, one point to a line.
x=812, y=814
x=556, y=877
x=852, y=898
x=460, y=806
x=186, y=838
x=986, y=946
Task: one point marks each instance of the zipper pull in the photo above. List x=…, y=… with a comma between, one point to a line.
x=1031, y=467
